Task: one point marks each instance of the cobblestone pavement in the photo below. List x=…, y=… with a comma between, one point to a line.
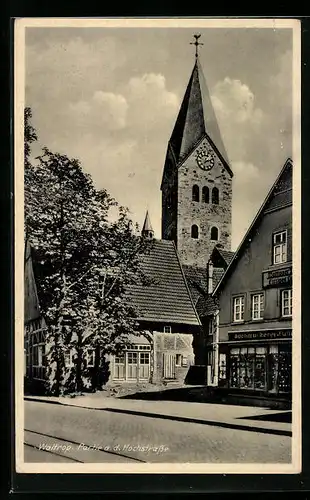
x=148, y=439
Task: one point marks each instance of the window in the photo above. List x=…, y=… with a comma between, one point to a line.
x=257, y=306
x=280, y=247
x=69, y=358
x=215, y=196
x=261, y=368
x=286, y=303
x=184, y=360
x=195, y=193
x=167, y=329
x=214, y=233
x=205, y=194
x=90, y=358
x=248, y=367
x=38, y=355
x=178, y=360
x=195, y=232
x=239, y=308
x=222, y=366
x=119, y=367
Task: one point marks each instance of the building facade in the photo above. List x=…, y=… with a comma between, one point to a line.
x=164, y=348
x=252, y=337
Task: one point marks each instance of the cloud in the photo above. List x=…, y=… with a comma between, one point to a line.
x=104, y=109
x=110, y=98
x=238, y=117
x=234, y=100
x=249, y=188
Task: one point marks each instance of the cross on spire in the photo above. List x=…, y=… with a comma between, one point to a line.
x=196, y=43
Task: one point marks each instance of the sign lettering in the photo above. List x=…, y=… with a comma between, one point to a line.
x=277, y=277
x=268, y=335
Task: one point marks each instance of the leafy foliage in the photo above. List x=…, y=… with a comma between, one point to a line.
x=84, y=264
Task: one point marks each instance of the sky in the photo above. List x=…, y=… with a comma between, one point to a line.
x=110, y=97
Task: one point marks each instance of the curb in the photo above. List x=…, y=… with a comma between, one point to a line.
x=213, y=423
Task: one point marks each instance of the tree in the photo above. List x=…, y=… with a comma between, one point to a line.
x=84, y=266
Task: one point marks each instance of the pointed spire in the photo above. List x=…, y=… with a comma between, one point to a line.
x=147, y=230
x=196, y=118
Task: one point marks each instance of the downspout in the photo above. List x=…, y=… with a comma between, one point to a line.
x=216, y=347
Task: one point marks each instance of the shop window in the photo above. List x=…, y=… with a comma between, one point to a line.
x=280, y=247
x=286, y=303
x=238, y=308
x=261, y=368
x=178, y=360
x=195, y=232
x=215, y=196
x=257, y=306
x=90, y=358
x=222, y=367
x=195, y=193
x=205, y=194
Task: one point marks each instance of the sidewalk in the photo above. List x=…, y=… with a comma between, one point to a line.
x=254, y=419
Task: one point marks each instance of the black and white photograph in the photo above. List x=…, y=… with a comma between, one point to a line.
x=157, y=245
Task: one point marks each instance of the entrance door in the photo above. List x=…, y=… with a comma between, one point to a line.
x=169, y=366
x=144, y=365
x=132, y=365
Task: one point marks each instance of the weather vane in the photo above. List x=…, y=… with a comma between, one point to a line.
x=196, y=43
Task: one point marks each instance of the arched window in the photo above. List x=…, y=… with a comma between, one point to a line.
x=195, y=231
x=214, y=233
x=195, y=193
x=215, y=196
x=205, y=194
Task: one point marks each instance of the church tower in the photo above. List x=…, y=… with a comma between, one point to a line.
x=197, y=180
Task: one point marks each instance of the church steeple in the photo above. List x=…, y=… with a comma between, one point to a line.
x=197, y=180
x=147, y=230
x=196, y=118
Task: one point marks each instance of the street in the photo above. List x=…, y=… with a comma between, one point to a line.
x=57, y=433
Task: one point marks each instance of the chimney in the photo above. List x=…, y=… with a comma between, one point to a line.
x=210, y=276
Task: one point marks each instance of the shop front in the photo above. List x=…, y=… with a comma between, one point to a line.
x=257, y=363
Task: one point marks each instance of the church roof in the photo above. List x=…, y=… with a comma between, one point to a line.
x=166, y=299
x=279, y=196
x=31, y=301
x=196, y=119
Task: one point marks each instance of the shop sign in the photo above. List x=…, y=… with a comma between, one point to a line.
x=277, y=277
x=268, y=335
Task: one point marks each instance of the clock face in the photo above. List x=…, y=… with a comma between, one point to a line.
x=205, y=160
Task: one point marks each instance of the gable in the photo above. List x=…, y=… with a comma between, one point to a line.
x=279, y=197
x=219, y=172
